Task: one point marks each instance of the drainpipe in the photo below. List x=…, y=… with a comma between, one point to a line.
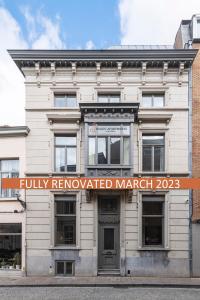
x=190, y=163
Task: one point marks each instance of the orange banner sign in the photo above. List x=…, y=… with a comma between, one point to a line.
x=83, y=183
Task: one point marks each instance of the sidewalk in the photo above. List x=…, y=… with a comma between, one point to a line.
x=99, y=281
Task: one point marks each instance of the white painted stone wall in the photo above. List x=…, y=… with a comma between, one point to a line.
x=14, y=147
x=39, y=151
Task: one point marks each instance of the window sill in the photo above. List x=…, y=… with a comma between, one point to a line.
x=64, y=248
x=153, y=249
x=8, y=199
x=153, y=172
x=108, y=166
x=159, y=173
x=67, y=173
x=66, y=108
x=163, y=108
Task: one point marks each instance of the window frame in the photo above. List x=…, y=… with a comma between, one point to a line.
x=153, y=95
x=162, y=217
x=65, y=262
x=109, y=96
x=108, y=138
x=10, y=193
x=166, y=198
x=67, y=198
x=65, y=95
x=64, y=147
x=153, y=152
x=14, y=236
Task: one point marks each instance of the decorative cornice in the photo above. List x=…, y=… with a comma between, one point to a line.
x=144, y=70
x=119, y=107
x=107, y=58
x=64, y=117
x=12, y=131
x=154, y=117
x=180, y=73
x=165, y=70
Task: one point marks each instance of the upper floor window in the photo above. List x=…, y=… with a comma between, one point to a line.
x=65, y=220
x=65, y=153
x=65, y=100
x=153, y=100
x=108, y=98
x=153, y=152
x=9, y=168
x=109, y=144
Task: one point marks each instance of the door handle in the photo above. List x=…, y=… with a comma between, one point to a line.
x=109, y=253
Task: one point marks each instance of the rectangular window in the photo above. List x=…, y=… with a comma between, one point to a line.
x=153, y=100
x=198, y=28
x=65, y=153
x=108, y=98
x=10, y=245
x=115, y=150
x=109, y=144
x=102, y=151
x=92, y=151
x=65, y=268
x=153, y=153
x=65, y=220
x=126, y=150
x=65, y=100
x=152, y=221
x=9, y=168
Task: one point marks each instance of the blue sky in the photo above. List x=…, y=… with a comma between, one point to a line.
x=78, y=24
x=80, y=20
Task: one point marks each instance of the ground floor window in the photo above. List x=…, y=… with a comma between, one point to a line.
x=65, y=220
x=10, y=246
x=65, y=268
x=152, y=221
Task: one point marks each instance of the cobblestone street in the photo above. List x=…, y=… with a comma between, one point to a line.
x=100, y=293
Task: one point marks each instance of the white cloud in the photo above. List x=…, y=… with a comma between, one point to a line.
x=90, y=45
x=50, y=37
x=153, y=21
x=30, y=22
x=43, y=33
x=12, y=92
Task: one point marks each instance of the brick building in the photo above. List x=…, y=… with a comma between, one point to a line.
x=188, y=36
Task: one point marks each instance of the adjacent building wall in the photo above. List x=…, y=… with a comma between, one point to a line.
x=11, y=210
x=187, y=35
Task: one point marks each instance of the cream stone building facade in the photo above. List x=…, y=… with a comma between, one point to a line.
x=107, y=113
x=12, y=208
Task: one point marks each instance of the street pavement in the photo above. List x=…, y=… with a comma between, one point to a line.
x=99, y=281
x=98, y=293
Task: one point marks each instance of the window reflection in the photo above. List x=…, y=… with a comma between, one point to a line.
x=65, y=153
x=91, y=151
x=115, y=150
x=102, y=151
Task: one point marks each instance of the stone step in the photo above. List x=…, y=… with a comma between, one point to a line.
x=109, y=272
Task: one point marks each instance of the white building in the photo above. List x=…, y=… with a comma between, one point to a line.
x=100, y=113
x=12, y=208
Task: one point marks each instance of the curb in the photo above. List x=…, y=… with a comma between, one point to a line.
x=113, y=285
